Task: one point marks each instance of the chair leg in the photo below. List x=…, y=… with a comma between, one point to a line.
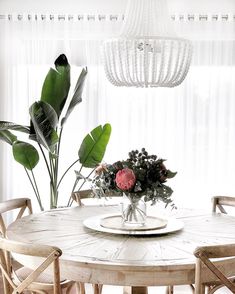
x=170, y=290
x=96, y=288
x=80, y=287
x=100, y=288
x=69, y=288
x=135, y=290
x=192, y=288
x=200, y=289
x=6, y=286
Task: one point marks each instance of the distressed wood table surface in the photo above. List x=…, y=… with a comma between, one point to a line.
x=96, y=257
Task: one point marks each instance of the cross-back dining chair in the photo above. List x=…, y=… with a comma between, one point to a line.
x=218, y=203
x=78, y=196
x=209, y=271
x=20, y=204
x=17, y=281
x=45, y=283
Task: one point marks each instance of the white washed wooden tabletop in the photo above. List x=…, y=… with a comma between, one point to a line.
x=96, y=257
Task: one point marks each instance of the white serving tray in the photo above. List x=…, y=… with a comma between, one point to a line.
x=94, y=223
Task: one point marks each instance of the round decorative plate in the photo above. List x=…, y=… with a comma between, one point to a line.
x=115, y=222
x=95, y=223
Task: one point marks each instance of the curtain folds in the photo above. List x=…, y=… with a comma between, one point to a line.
x=192, y=125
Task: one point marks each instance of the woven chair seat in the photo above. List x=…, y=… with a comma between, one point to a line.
x=44, y=278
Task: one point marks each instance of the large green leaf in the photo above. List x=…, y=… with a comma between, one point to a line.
x=77, y=96
x=93, y=146
x=26, y=154
x=44, y=121
x=6, y=125
x=56, y=84
x=8, y=137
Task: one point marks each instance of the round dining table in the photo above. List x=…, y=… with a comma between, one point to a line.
x=92, y=256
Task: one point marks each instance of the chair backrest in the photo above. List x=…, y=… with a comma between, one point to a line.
x=205, y=266
x=221, y=201
x=49, y=254
x=83, y=194
x=20, y=203
x=86, y=194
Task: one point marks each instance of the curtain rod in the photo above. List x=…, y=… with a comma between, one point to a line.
x=111, y=17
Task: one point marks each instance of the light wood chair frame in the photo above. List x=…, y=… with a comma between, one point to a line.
x=221, y=201
x=23, y=205
x=19, y=203
x=205, y=267
x=218, y=203
x=12, y=284
x=78, y=196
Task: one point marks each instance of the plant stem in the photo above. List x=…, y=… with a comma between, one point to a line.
x=70, y=202
x=36, y=187
x=58, y=147
x=66, y=172
x=53, y=183
x=57, y=165
x=74, y=186
x=45, y=159
x=31, y=182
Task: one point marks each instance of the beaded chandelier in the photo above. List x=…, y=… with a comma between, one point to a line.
x=148, y=52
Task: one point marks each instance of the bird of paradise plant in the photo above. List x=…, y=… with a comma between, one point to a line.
x=46, y=129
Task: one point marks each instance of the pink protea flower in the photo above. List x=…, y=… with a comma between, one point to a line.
x=125, y=179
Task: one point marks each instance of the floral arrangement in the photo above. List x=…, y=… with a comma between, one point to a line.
x=139, y=175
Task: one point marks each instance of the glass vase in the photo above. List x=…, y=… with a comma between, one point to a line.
x=133, y=210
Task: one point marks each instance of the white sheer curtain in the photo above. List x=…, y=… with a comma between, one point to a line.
x=192, y=126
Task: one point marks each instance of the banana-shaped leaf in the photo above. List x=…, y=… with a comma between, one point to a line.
x=56, y=84
x=93, y=146
x=6, y=125
x=77, y=96
x=25, y=154
x=44, y=120
x=8, y=137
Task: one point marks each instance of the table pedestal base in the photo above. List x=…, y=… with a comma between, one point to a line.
x=135, y=290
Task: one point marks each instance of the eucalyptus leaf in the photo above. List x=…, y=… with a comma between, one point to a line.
x=6, y=125
x=170, y=174
x=77, y=96
x=93, y=146
x=7, y=137
x=44, y=120
x=25, y=154
x=56, y=84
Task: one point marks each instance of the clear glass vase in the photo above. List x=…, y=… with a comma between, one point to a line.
x=133, y=210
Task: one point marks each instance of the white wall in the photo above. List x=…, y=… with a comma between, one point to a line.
x=111, y=6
